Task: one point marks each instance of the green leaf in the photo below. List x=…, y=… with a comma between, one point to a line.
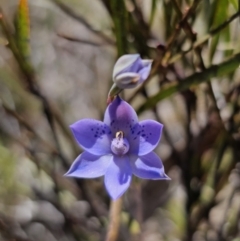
x=213, y=46
x=22, y=25
x=153, y=11
x=219, y=12
x=219, y=15
x=120, y=19
x=234, y=3
x=229, y=48
x=169, y=18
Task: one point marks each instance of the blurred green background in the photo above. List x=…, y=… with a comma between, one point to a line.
x=56, y=61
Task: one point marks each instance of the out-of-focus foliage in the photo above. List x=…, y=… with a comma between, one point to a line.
x=22, y=28
x=56, y=60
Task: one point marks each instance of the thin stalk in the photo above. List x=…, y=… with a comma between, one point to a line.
x=114, y=220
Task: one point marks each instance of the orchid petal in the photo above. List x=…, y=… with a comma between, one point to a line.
x=145, y=71
x=118, y=176
x=120, y=116
x=127, y=80
x=87, y=165
x=146, y=137
x=93, y=136
x=148, y=167
x=126, y=63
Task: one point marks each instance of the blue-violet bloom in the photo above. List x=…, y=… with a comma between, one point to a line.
x=130, y=70
x=117, y=148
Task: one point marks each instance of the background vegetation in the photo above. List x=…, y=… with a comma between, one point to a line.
x=56, y=59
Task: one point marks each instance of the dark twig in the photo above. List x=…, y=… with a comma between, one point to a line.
x=160, y=65
x=80, y=19
x=182, y=24
x=192, y=35
x=204, y=39
x=81, y=41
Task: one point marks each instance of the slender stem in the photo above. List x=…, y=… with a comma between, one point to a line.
x=114, y=219
x=115, y=90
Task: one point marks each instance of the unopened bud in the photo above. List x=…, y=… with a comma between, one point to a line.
x=130, y=70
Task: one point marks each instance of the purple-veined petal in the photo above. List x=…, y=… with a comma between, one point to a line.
x=127, y=63
x=148, y=167
x=118, y=176
x=87, y=165
x=93, y=136
x=145, y=71
x=120, y=116
x=127, y=80
x=145, y=138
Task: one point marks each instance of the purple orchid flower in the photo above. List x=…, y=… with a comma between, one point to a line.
x=130, y=70
x=117, y=148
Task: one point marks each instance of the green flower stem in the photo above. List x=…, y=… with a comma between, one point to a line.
x=114, y=219
x=214, y=71
x=115, y=90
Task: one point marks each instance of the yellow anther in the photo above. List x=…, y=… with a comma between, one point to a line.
x=119, y=135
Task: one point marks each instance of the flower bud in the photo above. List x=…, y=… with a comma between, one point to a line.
x=130, y=70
